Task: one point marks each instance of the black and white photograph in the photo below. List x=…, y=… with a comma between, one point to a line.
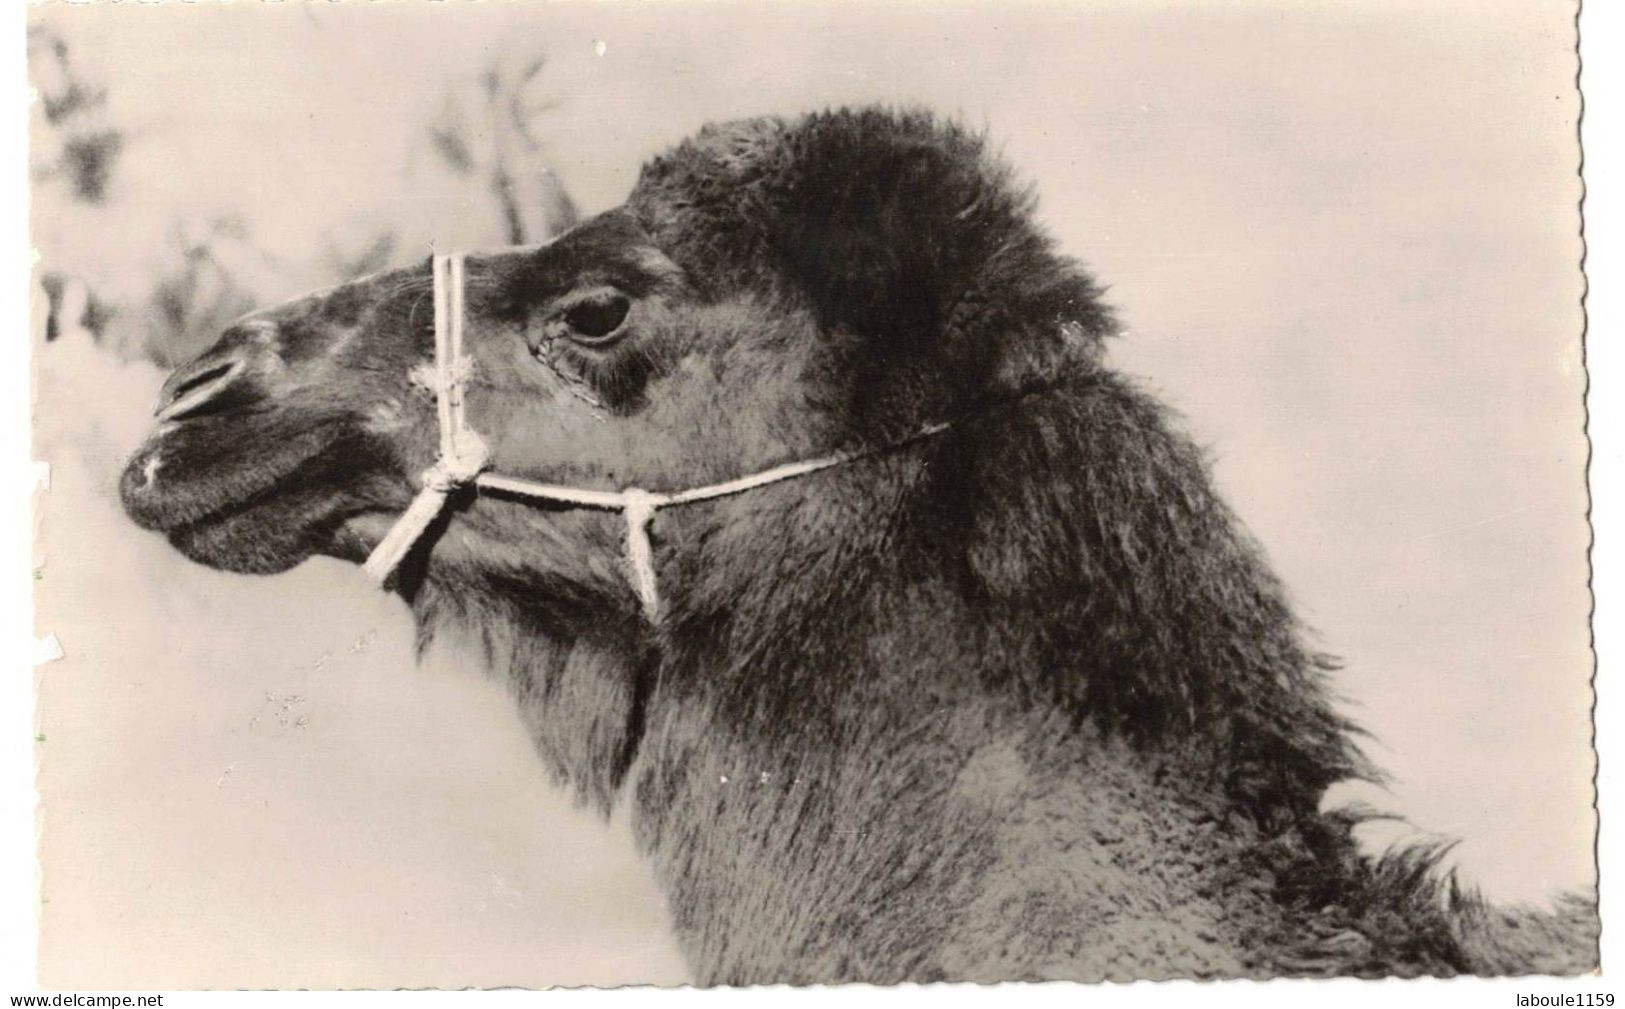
x=540, y=494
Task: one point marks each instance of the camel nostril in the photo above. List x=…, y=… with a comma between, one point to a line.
x=218, y=371
x=191, y=390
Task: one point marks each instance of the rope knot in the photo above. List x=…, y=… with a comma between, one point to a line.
x=453, y=471
x=639, y=507
x=438, y=379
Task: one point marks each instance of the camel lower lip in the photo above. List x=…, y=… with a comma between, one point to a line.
x=267, y=533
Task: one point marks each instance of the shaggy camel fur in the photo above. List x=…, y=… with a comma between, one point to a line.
x=1022, y=700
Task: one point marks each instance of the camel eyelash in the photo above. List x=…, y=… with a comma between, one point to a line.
x=612, y=378
x=593, y=365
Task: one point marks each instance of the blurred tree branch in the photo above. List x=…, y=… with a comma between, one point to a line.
x=201, y=265
x=77, y=145
x=499, y=145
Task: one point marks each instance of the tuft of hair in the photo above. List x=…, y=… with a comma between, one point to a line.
x=894, y=225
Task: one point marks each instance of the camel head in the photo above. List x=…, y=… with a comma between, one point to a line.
x=771, y=291
x=1019, y=700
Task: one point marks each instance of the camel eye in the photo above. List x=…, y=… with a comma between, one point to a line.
x=597, y=319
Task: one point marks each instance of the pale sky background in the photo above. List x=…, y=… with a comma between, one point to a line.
x=1344, y=243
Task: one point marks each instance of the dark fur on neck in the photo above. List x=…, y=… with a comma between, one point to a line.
x=844, y=652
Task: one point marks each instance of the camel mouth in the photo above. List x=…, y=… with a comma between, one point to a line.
x=236, y=499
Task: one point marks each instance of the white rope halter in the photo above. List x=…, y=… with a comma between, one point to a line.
x=464, y=456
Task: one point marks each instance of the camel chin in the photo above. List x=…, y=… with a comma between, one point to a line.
x=248, y=543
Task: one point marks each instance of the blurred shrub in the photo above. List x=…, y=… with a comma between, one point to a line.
x=80, y=149
x=165, y=294
x=486, y=131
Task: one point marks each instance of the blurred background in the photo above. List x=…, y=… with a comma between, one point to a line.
x=1344, y=242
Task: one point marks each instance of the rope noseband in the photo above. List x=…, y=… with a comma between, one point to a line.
x=464, y=456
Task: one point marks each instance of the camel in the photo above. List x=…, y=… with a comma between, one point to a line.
x=1008, y=693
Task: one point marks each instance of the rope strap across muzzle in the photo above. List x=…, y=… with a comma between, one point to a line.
x=464, y=458
x=463, y=454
